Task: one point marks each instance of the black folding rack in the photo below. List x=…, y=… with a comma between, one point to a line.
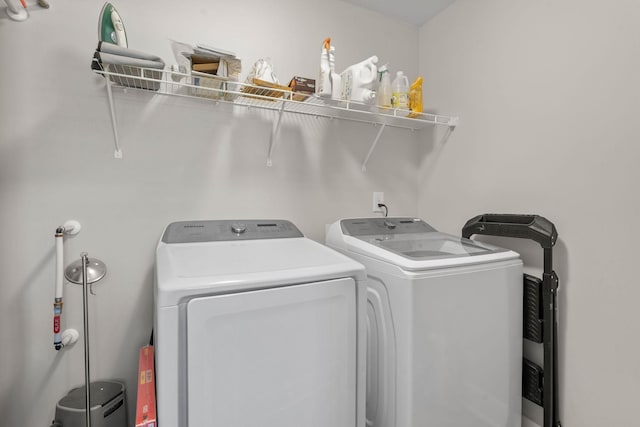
x=540, y=310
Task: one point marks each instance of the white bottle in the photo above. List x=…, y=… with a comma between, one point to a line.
x=400, y=92
x=359, y=80
x=324, y=87
x=383, y=97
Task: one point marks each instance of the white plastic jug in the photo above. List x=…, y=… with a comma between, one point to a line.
x=400, y=92
x=359, y=81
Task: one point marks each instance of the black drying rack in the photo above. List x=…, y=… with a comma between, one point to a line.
x=539, y=385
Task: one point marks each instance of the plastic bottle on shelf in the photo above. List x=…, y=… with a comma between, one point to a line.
x=359, y=80
x=324, y=88
x=415, y=98
x=400, y=92
x=383, y=97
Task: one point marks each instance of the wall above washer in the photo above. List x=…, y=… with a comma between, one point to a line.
x=413, y=11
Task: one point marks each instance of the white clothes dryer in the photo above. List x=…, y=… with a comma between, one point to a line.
x=444, y=315
x=256, y=325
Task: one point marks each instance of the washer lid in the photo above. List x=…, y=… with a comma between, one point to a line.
x=430, y=246
x=186, y=270
x=413, y=244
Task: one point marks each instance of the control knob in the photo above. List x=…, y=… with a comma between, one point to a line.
x=238, y=228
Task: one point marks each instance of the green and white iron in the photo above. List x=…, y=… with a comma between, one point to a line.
x=110, y=26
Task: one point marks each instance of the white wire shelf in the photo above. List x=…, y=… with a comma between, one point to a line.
x=279, y=99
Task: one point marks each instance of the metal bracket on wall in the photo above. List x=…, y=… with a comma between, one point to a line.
x=373, y=146
x=452, y=122
x=118, y=151
x=274, y=134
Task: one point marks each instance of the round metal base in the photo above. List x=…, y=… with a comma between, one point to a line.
x=96, y=270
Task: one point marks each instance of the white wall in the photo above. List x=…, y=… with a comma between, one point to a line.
x=548, y=96
x=183, y=159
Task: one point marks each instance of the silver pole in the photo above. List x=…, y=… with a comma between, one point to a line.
x=85, y=312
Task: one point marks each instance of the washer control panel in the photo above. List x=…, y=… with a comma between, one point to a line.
x=229, y=230
x=375, y=226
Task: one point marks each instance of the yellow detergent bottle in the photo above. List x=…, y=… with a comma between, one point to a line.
x=415, y=98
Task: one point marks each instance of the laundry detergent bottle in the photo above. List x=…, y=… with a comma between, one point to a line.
x=400, y=92
x=415, y=98
x=359, y=81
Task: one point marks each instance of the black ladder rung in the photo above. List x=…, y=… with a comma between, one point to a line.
x=532, y=382
x=532, y=309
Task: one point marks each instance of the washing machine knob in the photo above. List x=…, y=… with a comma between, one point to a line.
x=390, y=225
x=238, y=228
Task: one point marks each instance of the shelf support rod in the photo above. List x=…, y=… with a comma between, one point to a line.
x=274, y=134
x=118, y=152
x=373, y=146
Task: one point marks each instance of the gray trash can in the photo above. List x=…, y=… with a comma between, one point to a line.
x=108, y=406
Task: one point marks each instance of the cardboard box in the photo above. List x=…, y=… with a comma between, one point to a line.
x=209, y=67
x=266, y=90
x=146, y=399
x=303, y=86
x=209, y=86
x=205, y=64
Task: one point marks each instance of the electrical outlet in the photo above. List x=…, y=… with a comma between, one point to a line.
x=378, y=197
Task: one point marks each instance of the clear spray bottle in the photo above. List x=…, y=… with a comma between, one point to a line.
x=383, y=97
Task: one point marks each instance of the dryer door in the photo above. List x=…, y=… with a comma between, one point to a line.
x=280, y=357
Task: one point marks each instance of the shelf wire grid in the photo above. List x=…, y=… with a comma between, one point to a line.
x=220, y=89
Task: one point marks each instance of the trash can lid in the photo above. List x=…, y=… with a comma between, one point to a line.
x=102, y=392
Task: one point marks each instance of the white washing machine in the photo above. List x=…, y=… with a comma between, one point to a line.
x=256, y=325
x=444, y=315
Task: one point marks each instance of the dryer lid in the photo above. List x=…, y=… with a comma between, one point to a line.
x=204, y=258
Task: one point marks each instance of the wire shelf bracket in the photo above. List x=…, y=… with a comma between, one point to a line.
x=373, y=146
x=118, y=151
x=274, y=135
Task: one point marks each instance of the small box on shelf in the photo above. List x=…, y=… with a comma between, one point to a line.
x=209, y=86
x=303, y=87
x=264, y=89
